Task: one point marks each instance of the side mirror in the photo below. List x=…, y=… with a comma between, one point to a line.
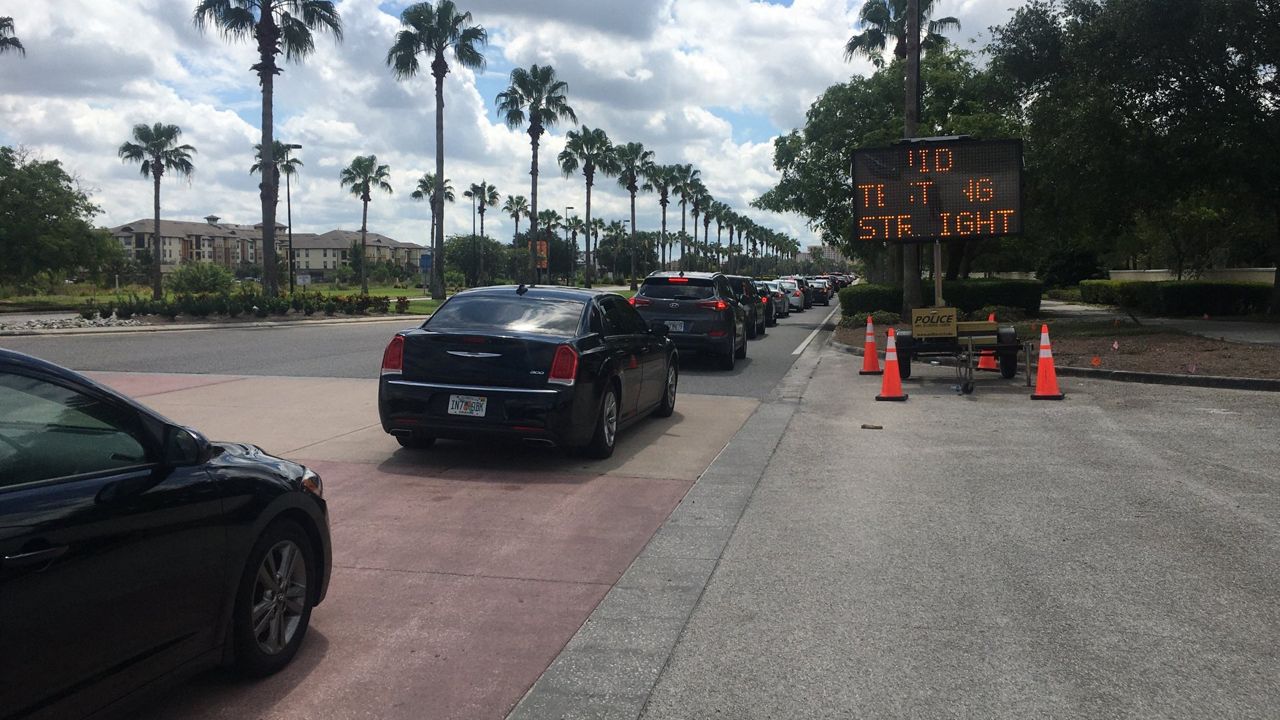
x=184, y=446
x=659, y=328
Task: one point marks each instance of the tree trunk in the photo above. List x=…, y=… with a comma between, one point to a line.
x=663, y=240
x=534, y=132
x=588, y=271
x=633, y=241
x=682, y=234
x=1275, y=251
x=480, y=255
x=157, y=287
x=437, y=237
x=912, y=292
x=364, y=253
x=267, y=34
x=706, y=232
x=719, y=245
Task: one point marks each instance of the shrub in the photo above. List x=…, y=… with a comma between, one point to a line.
x=105, y=311
x=881, y=318
x=402, y=305
x=89, y=311
x=1066, y=294
x=165, y=309
x=965, y=295
x=1003, y=313
x=381, y=305
x=330, y=307
x=1179, y=297
x=1068, y=266
x=200, y=277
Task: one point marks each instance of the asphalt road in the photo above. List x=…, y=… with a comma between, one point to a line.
x=354, y=350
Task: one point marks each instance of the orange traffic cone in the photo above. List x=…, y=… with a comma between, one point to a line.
x=870, y=358
x=1046, y=378
x=987, y=358
x=891, y=386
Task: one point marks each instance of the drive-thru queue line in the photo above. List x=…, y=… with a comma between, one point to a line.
x=800, y=348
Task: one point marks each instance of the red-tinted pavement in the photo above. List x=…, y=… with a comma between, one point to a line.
x=459, y=573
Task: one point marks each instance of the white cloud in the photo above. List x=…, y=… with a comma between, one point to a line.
x=698, y=81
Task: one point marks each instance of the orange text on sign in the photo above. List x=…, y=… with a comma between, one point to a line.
x=884, y=227
x=978, y=222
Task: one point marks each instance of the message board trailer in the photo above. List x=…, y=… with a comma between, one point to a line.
x=938, y=189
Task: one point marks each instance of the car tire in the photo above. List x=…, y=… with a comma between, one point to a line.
x=741, y=353
x=283, y=550
x=416, y=441
x=606, y=433
x=668, y=404
x=751, y=328
x=904, y=364
x=727, y=359
x=1009, y=366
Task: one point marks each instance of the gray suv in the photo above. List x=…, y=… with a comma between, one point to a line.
x=699, y=309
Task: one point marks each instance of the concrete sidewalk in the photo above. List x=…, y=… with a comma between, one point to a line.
x=1237, y=331
x=980, y=556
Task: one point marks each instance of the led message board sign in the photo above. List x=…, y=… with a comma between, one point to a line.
x=938, y=189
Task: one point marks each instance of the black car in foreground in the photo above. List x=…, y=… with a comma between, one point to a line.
x=548, y=365
x=700, y=310
x=133, y=551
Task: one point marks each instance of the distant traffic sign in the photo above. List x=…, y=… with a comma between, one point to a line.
x=938, y=189
x=424, y=262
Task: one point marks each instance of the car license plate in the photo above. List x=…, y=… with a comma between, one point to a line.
x=675, y=325
x=469, y=405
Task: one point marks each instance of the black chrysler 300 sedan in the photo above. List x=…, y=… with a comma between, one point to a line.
x=560, y=366
x=134, y=552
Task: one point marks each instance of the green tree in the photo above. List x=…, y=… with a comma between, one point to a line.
x=535, y=97
x=661, y=179
x=687, y=181
x=361, y=177
x=516, y=207
x=45, y=222
x=485, y=196
x=278, y=27
x=155, y=148
x=426, y=187
x=634, y=164
x=592, y=151
x=885, y=20
x=8, y=41
x=433, y=30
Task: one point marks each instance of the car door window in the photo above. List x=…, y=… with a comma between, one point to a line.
x=49, y=431
x=620, y=318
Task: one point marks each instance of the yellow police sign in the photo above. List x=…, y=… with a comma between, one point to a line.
x=933, y=322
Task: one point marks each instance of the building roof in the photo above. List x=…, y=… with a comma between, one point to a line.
x=344, y=238
x=185, y=228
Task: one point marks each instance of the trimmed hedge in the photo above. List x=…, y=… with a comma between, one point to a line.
x=1175, y=298
x=965, y=295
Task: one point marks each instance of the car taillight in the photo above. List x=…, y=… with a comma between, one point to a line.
x=639, y=301
x=393, y=356
x=717, y=305
x=798, y=294
x=564, y=367
x=764, y=300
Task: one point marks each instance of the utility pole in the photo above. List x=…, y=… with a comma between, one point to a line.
x=911, y=291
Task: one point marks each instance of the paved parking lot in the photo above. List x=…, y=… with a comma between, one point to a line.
x=460, y=572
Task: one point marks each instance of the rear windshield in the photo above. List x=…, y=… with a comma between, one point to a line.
x=508, y=314
x=678, y=288
x=787, y=285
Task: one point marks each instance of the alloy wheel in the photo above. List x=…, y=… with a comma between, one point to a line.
x=279, y=597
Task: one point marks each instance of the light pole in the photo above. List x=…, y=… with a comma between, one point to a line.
x=573, y=255
x=288, y=204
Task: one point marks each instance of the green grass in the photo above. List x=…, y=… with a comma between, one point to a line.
x=1030, y=329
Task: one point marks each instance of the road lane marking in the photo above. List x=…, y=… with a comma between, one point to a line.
x=814, y=334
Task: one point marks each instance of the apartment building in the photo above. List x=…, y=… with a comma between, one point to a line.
x=229, y=244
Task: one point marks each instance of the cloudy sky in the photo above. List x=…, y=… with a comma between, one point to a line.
x=707, y=82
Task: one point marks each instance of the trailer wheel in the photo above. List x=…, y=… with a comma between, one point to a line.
x=1009, y=366
x=904, y=364
x=967, y=388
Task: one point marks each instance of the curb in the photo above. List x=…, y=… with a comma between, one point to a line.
x=207, y=326
x=1206, y=381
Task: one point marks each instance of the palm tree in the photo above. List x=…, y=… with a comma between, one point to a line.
x=661, y=179
x=707, y=203
x=633, y=164
x=697, y=201
x=362, y=176
x=574, y=225
x=594, y=228
x=686, y=181
x=593, y=152
x=887, y=19
x=535, y=96
x=288, y=167
x=516, y=207
x=426, y=189
x=157, y=150
x=485, y=195
x=432, y=30
x=7, y=39
x=279, y=27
